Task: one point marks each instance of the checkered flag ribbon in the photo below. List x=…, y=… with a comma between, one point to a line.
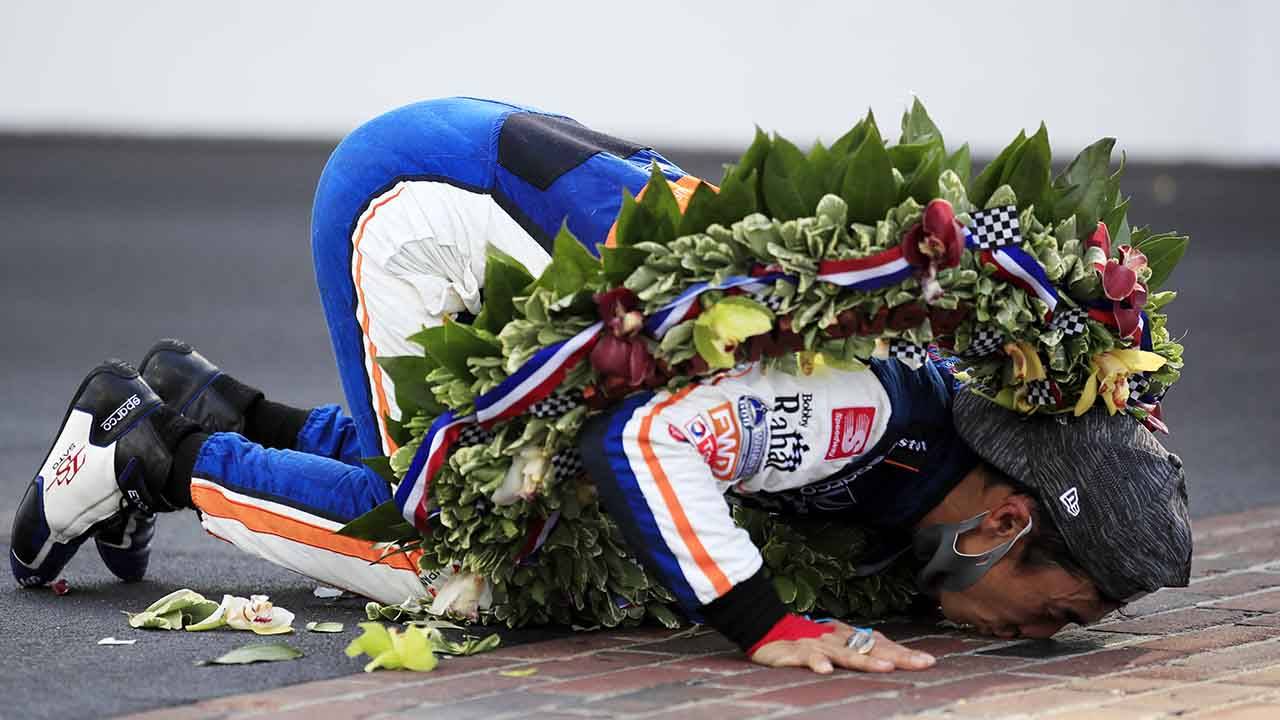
x=1070, y=321
x=995, y=228
x=767, y=298
x=474, y=435
x=555, y=405
x=567, y=465
x=1040, y=393
x=910, y=354
x=985, y=341
x=1139, y=384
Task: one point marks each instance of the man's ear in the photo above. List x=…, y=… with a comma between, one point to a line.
x=1009, y=517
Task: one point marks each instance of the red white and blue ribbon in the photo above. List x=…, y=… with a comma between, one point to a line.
x=868, y=273
x=1012, y=263
x=682, y=307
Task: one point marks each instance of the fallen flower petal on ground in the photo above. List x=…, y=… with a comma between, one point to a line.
x=115, y=641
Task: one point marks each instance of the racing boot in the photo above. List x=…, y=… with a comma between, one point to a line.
x=202, y=392
x=104, y=475
x=195, y=387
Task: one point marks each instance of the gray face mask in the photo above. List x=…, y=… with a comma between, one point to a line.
x=949, y=569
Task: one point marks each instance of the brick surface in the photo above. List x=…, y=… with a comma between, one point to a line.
x=830, y=689
x=701, y=644
x=1121, y=685
x=1180, y=700
x=618, y=682
x=1175, y=621
x=1022, y=704
x=1267, y=676
x=763, y=678
x=1204, y=566
x=1234, y=523
x=1211, y=650
x=1065, y=645
x=1236, y=583
x=1259, y=710
x=653, y=699
x=1214, y=638
x=593, y=664
x=712, y=711
x=1266, y=602
x=1102, y=662
x=943, y=646
x=1167, y=599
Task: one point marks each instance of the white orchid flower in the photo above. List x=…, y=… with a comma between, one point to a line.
x=464, y=595
x=255, y=613
x=524, y=478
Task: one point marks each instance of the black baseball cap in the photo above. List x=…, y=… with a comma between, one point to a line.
x=1116, y=494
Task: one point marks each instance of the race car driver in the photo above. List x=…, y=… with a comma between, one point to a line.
x=1021, y=527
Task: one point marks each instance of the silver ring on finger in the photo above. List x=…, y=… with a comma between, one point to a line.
x=861, y=641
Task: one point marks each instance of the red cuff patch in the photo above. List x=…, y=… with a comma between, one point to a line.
x=791, y=627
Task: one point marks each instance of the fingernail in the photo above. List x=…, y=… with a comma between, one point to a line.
x=924, y=658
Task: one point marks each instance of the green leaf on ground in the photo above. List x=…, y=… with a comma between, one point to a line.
x=244, y=655
x=174, y=611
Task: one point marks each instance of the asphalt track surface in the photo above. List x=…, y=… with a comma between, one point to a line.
x=110, y=244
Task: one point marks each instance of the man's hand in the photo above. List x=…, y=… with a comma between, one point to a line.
x=822, y=654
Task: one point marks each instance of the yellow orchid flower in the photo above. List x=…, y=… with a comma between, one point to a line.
x=719, y=329
x=1026, y=362
x=1110, y=377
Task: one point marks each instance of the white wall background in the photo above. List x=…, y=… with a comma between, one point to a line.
x=1173, y=79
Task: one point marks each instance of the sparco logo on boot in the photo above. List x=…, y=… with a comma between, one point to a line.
x=121, y=413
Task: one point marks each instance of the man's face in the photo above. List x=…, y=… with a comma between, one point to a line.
x=1012, y=601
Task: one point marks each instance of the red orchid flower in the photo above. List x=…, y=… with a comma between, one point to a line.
x=1120, y=281
x=935, y=243
x=937, y=240
x=1101, y=239
x=625, y=362
x=619, y=309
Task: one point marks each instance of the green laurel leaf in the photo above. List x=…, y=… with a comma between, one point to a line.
x=1163, y=253
x=1028, y=173
x=918, y=127
x=868, y=186
x=989, y=179
x=504, y=279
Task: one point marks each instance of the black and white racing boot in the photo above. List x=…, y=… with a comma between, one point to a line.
x=189, y=383
x=103, y=477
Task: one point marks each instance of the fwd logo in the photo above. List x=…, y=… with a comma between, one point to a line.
x=1071, y=501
